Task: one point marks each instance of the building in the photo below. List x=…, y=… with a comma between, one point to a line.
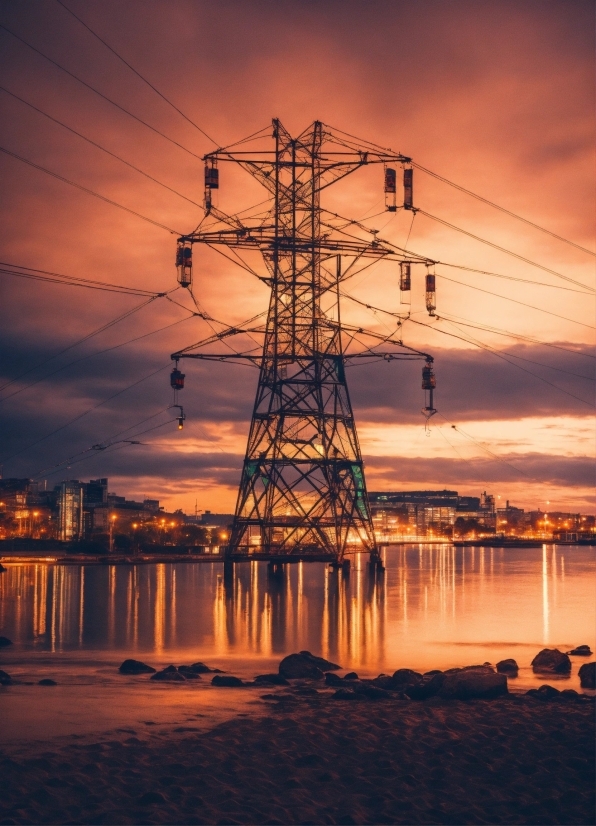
x=70, y=511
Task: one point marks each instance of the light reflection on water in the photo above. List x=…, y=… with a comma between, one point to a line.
x=435, y=607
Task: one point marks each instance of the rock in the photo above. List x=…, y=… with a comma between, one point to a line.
x=351, y=676
x=509, y=667
x=469, y=683
x=581, y=651
x=169, y=675
x=299, y=666
x=4, y=641
x=333, y=679
x=135, y=667
x=324, y=665
x=371, y=692
x=346, y=694
x=2, y=569
x=201, y=668
x=552, y=660
x=188, y=672
x=226, y=681
x=271, y=679
x=544, y=693
x=47, y=681
x=427, y=687
x=405, y=676
x=569, y=694
x=5, y=679
x=587, y=675
x=383, y=681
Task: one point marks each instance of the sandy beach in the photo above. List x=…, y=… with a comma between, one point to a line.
x=303, y=756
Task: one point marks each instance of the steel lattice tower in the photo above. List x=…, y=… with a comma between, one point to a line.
x=302, y=492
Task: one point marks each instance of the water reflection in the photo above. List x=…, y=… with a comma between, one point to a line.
x=430, y=602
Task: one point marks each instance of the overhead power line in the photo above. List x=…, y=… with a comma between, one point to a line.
x=73, y=280
x=101, y=95
x=96, y=332
x=500, y=208
x=102, y=148
x=507, y=333
x=506, y=251
x=89, y=191
x=91, y=355
x=515, y=301
x=499, y=355
x=89, y=410
x=138, y=74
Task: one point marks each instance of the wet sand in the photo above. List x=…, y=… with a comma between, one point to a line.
x=303, y=757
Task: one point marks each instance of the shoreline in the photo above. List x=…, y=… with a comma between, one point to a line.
x=54, y=558
x=300, y=756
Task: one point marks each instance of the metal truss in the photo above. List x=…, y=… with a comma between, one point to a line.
x=302, y=492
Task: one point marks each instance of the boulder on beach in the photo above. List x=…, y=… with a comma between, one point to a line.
x=47, y=681
x=271, y=679
x=470, y=683
x=135, y=667
x=544, y=693
x=304, y=666
x=333, y=679
x=552, y=660
x=2, y=569
x=405, y=676
x=201, y=668
x=4, y=641
x=169, y=675
x=351, y=676
x=188, y=672
x=347, y=694
x=587, y=675
x=320, y=662
x=508, y=667
x=581, y=651
x=5, y=678
x=427, y=687
x=226, y=681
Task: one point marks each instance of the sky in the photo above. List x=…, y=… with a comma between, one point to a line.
x=498, y=98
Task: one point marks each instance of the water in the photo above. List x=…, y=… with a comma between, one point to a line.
x=435, y=607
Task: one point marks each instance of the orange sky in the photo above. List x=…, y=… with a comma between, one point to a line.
x=497, y=97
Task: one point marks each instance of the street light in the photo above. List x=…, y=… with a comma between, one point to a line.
x=113, y=518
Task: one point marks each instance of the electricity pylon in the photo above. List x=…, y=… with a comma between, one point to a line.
x=302, y=493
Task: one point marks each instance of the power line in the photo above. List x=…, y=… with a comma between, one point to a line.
x=503, y=358
x=102, y=148
x=515, y=301
x=500, y=208
x=73, y=280
x=465, y=323
x=488, y=349
x=138, y=74
x=89, y=410
x=89, y=191
x=91, y=355
x=514, y=278
x=483, y=447
x=503, y=249
x=79, y=341
x=101, y=95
